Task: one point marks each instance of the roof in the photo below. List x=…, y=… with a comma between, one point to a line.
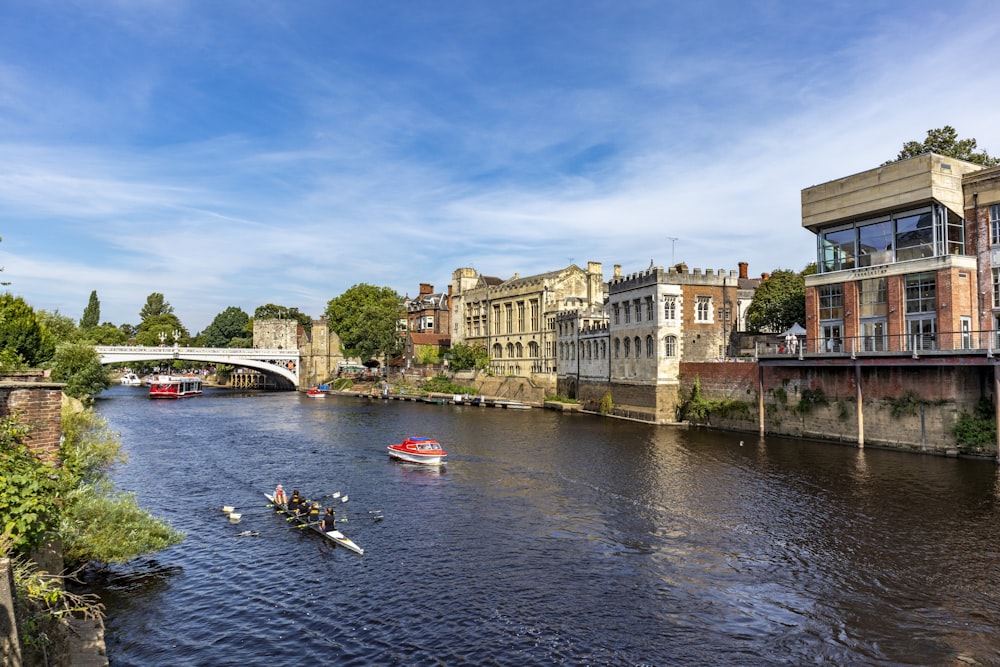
x=430, y=339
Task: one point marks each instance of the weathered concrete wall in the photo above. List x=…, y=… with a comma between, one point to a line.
x=904, y=407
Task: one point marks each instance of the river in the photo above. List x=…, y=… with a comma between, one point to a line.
x=547, y=539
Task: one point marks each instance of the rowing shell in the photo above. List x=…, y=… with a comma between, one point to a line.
x=332, y=535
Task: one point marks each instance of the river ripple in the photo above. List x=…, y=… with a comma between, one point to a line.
x=547, y=539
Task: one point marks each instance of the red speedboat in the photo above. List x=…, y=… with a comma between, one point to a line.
x=418, y=450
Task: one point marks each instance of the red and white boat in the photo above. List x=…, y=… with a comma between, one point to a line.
x=315, y=392
x=418, y=450
x=171, y=386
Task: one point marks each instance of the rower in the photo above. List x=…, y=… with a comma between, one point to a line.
x=295, y=502
x=313, y=515
x=279, y=495
x=329, y=521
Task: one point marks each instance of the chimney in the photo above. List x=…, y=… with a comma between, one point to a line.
x=743, y=270
x=426, y=288
x=765, y=276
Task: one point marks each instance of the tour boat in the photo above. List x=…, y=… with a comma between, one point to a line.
x=171, y=386
x=418, y=450
x=131, y=380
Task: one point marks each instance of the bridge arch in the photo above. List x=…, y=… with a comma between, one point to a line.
x=280, y=363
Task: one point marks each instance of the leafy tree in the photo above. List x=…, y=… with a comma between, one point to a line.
x=228, y=325
x=463, y=357
x=22, y=334
x=79, y=366
x=945, y=141
x=156, y=305
x=92, y=313
x=106, y=334
x=365, y=318
x=4, y=283
x=151, y=328
x=61, y=327
x=778, y=303
x=129, y=330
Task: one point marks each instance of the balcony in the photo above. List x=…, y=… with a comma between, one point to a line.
x=984, y=344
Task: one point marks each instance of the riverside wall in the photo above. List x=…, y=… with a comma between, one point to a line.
x=911, y=408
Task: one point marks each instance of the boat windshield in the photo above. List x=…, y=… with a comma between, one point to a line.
x=425, y=446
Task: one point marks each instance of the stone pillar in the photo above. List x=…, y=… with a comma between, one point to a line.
x=861, y=411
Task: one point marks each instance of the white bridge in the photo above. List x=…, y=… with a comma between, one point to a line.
x=282, y=363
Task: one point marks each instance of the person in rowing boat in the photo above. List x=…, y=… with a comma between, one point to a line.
x=313, y=515
x=279, y=496
x=295, y=502
x=329, y=521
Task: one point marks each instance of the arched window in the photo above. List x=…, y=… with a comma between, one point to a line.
x=638, y=347
x=497, y=351
x=520, y=350
x=650, y=347
x=510, y=350
x=670, y=346
x=628, y=344
x=533, y=349
x=604, y=350
x=617, y=348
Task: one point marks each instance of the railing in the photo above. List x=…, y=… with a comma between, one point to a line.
x=942, y=342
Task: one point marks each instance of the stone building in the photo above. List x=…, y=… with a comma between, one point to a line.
x=515, y=319
x=897, y=259
x=653, y=320
x=981, y=195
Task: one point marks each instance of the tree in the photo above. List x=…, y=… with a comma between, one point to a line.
x=271, y=311
x=106, y=334
x=228, y=325
x=366, y=317
x=21, y=334
x=778, y=303
x=464, y=357
x=62, y=328
x=166, y=324
x=79, y=366
x=92, y=313
x=945, y=141
x=156, y=305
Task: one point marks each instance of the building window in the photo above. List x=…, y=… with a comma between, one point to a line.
x=520, y=316
x=831, y=302
x=638, y=347
x=921, y=293
x=508, y=311
x=533, y=350
x=872, y=297
x=995, y=224
x=875, y=243
x=496, y=319
x=497, y=351
x=836, y=250
x=670, y=308
x=649, y=309
x=628, y=313
x=627, y=343
x=670, y=346
x=703, y=309
x=650, y=347
x=914, y=237
x=616, y=312
x=617, y=348
x=519, y=350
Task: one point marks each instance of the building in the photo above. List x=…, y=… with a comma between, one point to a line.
x=653, y=320
x=897, y=259
x=429, y=312
x=515, y=319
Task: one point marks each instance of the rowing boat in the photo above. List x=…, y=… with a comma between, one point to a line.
x=332, y=535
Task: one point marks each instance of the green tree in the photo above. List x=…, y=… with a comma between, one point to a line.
x=228, y=325
x=22, y=335
x=365, y=317
x=29, y=490
x=778, y=303
x=79, y=366
x=945, y=141
x=156, y=305
x=463, y=357
x=106, y=334
x=271, y=311
x=92, y=313
x=154, y=325
x=61, y=327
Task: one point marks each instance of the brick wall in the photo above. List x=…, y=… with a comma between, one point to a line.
x=36, y=404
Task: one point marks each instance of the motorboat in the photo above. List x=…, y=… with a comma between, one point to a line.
x=418, y=450
x=131, y=380
x=315, y=392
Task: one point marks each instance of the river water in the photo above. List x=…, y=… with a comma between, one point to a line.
x=547, y=539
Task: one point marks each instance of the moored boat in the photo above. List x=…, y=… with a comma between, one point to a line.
x=333, y=535
x=418, y=450
x=315, y=392
x=131, y=380
x=169, y=386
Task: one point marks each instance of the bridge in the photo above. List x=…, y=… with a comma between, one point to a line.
x=281, y=363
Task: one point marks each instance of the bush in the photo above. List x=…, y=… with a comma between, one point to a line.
x=975, y=431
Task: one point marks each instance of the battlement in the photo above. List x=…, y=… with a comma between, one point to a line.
x=677, y=275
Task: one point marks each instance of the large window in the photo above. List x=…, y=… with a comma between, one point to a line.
x=914, y=237
x=670, y=308
x=703, y=309
x=875, y=243
x=831, y=302
x=872, y=298
x=836, y=249
x=670, y=346
x=628, y=314
x=996, y=288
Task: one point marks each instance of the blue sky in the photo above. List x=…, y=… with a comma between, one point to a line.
x=239, y=153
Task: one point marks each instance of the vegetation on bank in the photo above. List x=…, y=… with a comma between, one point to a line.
x=75, y=503
x=442, y=384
